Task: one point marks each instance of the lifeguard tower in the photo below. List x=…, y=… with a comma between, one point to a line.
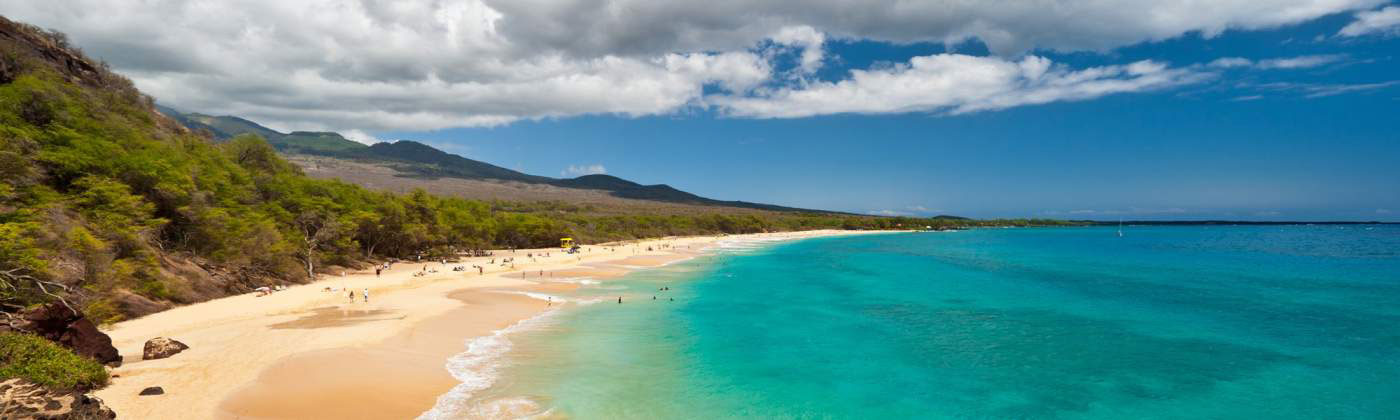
x=566, y=243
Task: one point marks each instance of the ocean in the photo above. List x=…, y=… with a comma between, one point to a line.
x=1246, y=322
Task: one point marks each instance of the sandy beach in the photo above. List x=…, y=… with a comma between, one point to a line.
x=306, y=352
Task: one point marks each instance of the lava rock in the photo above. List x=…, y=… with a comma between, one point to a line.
x=21, y=399
x=161, y=347
x=69, y=328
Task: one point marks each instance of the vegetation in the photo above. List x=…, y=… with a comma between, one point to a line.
x=43, y=362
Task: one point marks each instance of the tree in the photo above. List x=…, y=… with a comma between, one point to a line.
x=316, y=229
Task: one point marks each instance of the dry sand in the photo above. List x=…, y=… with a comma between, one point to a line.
x=307, y=353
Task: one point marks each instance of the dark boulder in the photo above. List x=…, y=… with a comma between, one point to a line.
x=153, y=390
x=70, y=329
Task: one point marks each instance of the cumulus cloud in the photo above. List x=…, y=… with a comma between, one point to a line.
x=369, y=66
x=1008, y=28
x=957, y=84
x=809, y=40
x=581, y=170
x=360, y=136
x=1384, y=21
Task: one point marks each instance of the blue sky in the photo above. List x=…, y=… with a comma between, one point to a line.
x=1085, y=109
x=1249, y=144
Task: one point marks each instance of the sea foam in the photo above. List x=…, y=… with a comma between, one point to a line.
x=478, y=367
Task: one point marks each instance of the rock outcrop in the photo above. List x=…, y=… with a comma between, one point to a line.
x=152, y=390
x=161, y=347
x=21, y=399
x=70, y=329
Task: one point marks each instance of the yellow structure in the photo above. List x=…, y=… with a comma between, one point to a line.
x=566, y=243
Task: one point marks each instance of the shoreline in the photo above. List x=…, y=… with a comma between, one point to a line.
x=304, y=352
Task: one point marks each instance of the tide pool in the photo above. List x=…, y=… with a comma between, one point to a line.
x=1165, y=322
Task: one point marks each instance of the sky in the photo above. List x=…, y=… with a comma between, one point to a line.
x=1172, y=110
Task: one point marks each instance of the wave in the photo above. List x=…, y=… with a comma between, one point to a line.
x=535, y=295
x=478, y=367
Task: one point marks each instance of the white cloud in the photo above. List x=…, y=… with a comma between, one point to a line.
x=1319, y=91
x=809, y=40
x=580, y=170
x=955, y=84
x=1267, y=213
x=1300, y=62
x=1230, y=62
x=360, y=136
x=356, y=65
x=1384, y=21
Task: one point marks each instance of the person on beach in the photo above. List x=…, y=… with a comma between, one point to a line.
x=352, y=296
x=619, y=300
x=366, y=295
x=376, y=271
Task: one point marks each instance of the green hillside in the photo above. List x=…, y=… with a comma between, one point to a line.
x=315, y=142
x=224, y=128
x=428, y=161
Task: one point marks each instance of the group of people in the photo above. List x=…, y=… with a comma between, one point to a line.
x=479, y=269
x=662, y=289
x=265, y=290
x=350, y=293
x=364, y=293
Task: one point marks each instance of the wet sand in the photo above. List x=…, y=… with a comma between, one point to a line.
x=396, y=378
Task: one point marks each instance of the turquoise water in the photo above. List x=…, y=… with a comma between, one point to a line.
x=1166, y=322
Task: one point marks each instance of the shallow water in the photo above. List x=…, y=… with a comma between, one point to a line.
x=1166, y=322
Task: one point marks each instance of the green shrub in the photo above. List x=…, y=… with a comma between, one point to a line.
x=43, y=362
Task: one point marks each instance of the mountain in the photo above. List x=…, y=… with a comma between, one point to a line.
x=224, y=128
x=433, y=162
x=418, y=159
x=661, y=192
x=314, y=142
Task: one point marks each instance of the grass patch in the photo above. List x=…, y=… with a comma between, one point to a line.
x=46, y=363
